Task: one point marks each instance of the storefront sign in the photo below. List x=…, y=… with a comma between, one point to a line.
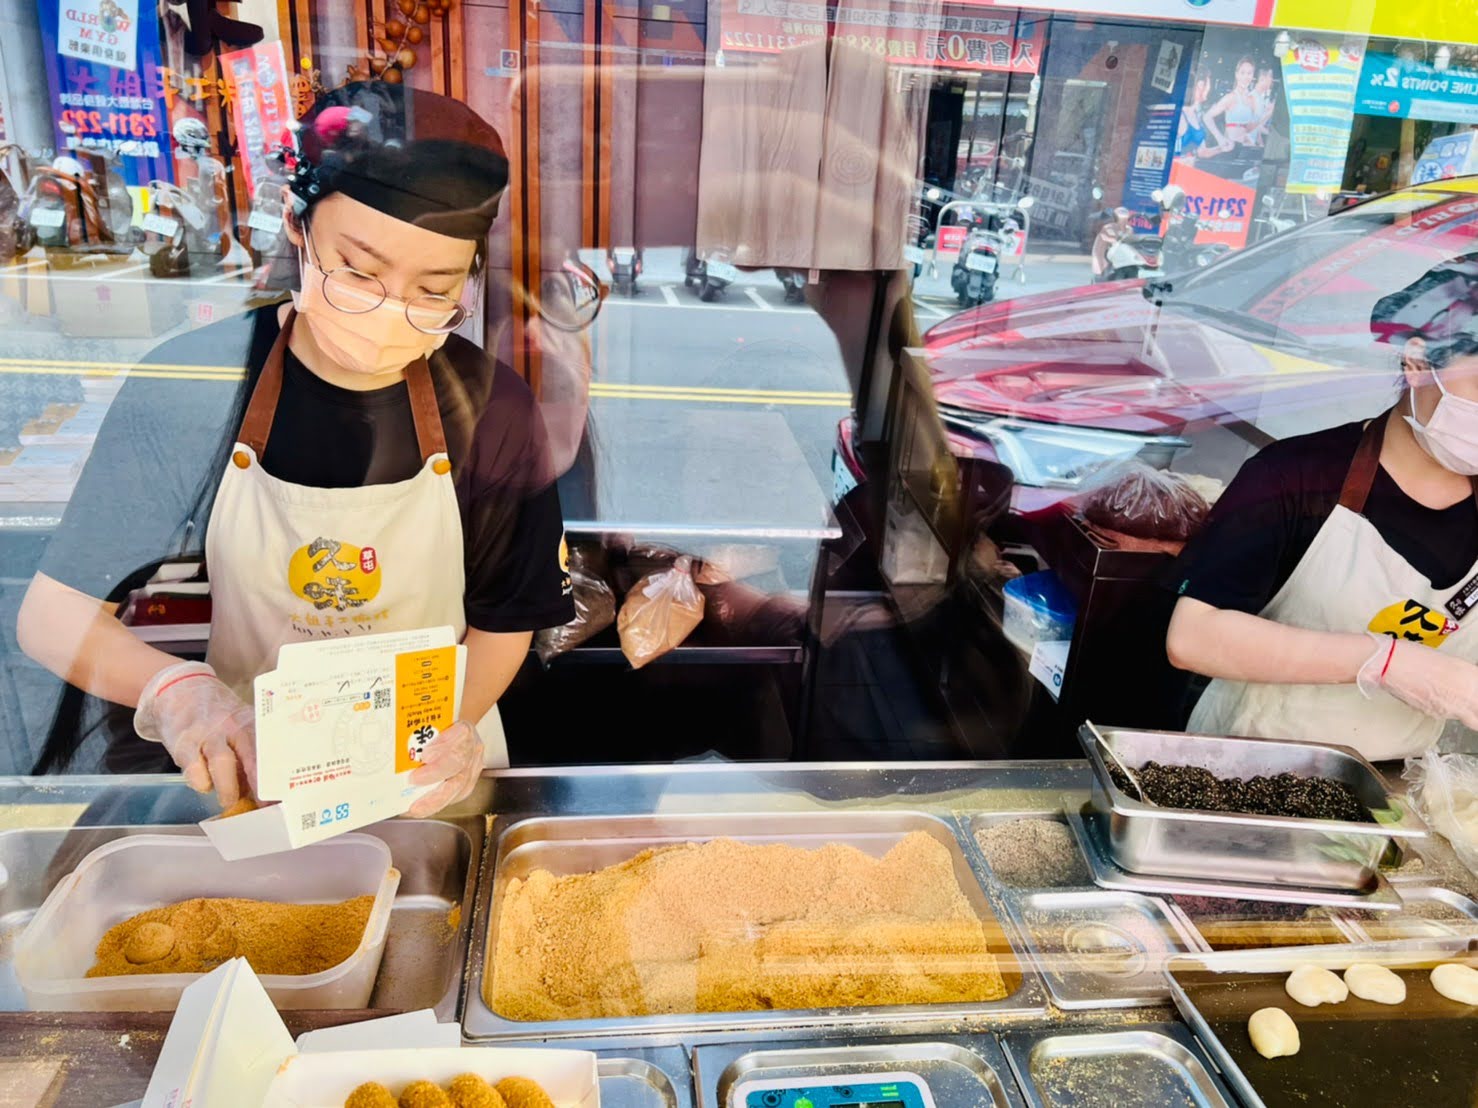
x=1429, y=20
x=98, y=31
x=1246, y=13
x=99, y=103
x=1319, y=78
x=956, y=37
x=1393, y=86
x=1224, y=208
x=260, y=105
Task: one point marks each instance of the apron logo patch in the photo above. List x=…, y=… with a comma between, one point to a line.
x=1413, y=622
x=333, y=574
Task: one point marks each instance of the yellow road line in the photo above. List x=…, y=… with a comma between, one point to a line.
x=814, y=394
x=803, y=402
x=598, y=389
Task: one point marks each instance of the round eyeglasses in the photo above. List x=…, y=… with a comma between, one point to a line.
x=356, y=293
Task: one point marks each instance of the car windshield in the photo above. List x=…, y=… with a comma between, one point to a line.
x=1317, y=287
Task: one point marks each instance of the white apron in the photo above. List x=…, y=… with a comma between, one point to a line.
x=1348, y=580
x=289, y=562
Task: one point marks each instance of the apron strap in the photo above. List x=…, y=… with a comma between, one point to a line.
x=1363, y=466
x=256, y=424
x=1361, y=474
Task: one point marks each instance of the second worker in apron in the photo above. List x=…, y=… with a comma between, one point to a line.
x=1330, y=595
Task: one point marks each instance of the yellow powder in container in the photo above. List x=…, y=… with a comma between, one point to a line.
x=724, y=926
x=195, y=936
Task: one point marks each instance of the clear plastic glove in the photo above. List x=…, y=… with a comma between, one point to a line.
x=208, y=730
x=1442, y=686
x=453, y=762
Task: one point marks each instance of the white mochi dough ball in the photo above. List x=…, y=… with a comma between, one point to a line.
x=1456, y=982
x=1369, y=981
x=1273, y=1033
x=1312, y=986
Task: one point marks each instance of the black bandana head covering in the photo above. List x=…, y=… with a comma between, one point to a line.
x=422, y=158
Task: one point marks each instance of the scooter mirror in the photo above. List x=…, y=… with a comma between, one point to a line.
x=1097, y=193
x=1026, y=202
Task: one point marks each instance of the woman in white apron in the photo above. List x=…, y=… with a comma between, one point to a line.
x=387, y=233
x=1356, y=646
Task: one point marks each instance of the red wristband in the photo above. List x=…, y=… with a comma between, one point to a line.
x=1389, y=655
x=186, y=676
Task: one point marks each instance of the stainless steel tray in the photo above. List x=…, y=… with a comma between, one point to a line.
x=1100, y=949
x=976, y=824
x=1270, y=850
x=1155, y=1065
x=586, y=843
x=655, y=1078
x=1416, y=919
x=1088, y=828
x=1353, y=1055
x=426, y=944
x=958, y=1072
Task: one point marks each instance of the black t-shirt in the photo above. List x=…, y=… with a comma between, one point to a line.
x=1268, y=516
x=151, y=476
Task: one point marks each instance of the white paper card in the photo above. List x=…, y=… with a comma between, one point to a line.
x=225, y=1043
x=340, y=725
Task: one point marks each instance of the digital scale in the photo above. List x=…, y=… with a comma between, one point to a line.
x=862, y=1090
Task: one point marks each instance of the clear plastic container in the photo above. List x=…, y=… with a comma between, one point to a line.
x=1038, y=608
x=134, y=874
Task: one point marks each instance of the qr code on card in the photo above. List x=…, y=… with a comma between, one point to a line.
x=310, y=820
x=382, y=698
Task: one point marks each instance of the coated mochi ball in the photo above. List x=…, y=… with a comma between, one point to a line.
x=370, y=1095
x=471, y=1091
x=424, y=1094
x=523, y=1092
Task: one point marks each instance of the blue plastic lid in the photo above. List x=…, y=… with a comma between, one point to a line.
x=1045, y=593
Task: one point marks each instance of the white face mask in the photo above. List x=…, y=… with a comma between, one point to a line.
x=1451, y=435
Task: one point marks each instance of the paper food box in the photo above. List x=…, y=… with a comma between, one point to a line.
x=340, y=725
x=228, y=1046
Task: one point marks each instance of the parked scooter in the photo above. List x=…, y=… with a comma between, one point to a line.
x=710, y=276
x=624, y=263
x=61, y=209
x=15, y=180
x=978, y=265
x=793, y=281
x=1120, y=253
x=187, y=221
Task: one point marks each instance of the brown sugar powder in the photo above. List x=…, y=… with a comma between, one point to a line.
x=729, y=926
x=195, y=936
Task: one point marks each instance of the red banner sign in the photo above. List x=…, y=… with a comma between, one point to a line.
x=1224, y=208
x=956, y=37
x=259, y=103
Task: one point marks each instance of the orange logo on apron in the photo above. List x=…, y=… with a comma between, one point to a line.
x=1411, y=621
x=333, y=574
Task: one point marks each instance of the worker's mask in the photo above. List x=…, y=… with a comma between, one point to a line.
x=377, y=339
x=1451, y=435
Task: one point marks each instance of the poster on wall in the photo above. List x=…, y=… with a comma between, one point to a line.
x=1408, y=89
x=1231, y=101
x=1319, y=78
x=108, y=105
x=1445, y=158
x=1155, y=132
x=260, y=105
x=99, y=31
